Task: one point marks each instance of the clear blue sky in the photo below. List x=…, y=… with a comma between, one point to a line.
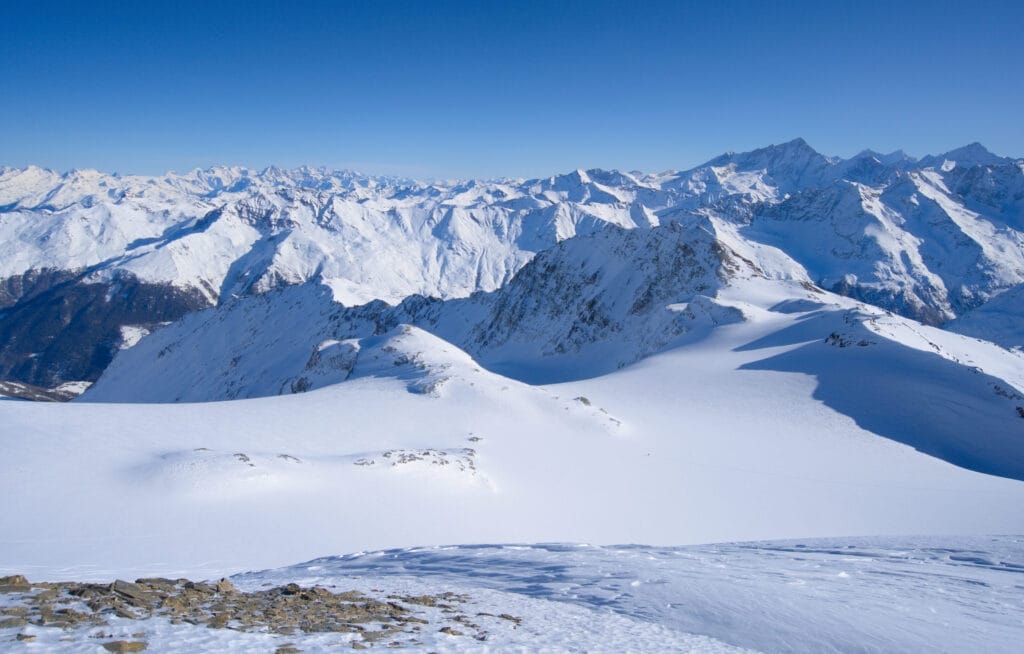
x=499, y=88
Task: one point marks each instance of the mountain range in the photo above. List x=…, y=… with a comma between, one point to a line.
x=89, y=261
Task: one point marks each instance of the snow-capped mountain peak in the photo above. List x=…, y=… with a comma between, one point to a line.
x=972, y=154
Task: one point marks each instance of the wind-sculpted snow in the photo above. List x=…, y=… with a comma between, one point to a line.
x=905, y=594
x=895, y=380
x=815, y=595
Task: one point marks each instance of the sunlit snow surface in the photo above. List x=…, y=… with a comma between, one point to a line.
x=821, y=595
x=868, y=594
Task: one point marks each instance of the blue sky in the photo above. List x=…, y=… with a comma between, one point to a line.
x=499, y=88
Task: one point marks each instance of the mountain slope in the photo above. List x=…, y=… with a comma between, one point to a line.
x=589, y=305
x=714, y=440
x=1000, y=320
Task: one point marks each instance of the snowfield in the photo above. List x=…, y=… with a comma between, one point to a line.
x=755, y=431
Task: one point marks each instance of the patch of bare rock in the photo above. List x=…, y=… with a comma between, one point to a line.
x=285, y=610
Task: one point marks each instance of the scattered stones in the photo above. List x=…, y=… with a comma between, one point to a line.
x=844, y=340
x=284, y=610
x=511, y=618
x=461, y=458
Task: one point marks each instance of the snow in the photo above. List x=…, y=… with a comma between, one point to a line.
x=884, y=594
x=1000, y=320
x=131, y=335
x=713, y=440
x=908, y=594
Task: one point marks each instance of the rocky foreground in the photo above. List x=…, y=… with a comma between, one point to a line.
x=81, y=610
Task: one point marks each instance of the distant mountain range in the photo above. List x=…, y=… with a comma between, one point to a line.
x=91, y=262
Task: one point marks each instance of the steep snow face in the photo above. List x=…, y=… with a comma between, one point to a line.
x=248, y=347
x=1000, y=320
x=911, y=247
x=787, y=167
x=593, y=304
x=972, y=154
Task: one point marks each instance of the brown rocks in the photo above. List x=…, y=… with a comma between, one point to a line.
x=289, y=609
x=7, y=623
x=125, y=646
x=160, y=583
x=225, y=586
x=135, y=594
x=14, y=584
x=450, y=631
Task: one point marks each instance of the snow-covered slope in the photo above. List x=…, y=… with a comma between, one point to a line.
x=749, y=433
x=907, y=594
x=828, y=595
